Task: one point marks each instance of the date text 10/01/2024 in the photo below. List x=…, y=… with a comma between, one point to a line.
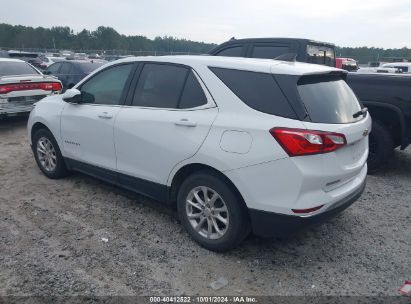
x=204, y=299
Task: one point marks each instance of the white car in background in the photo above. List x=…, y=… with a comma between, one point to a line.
x=236, y=144
x=49, y=60
x=401, y=67
x=21, y=85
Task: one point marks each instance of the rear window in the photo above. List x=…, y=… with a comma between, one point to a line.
x=328, y=99
x=9, y=68
x=259, y=91
x=321, y=55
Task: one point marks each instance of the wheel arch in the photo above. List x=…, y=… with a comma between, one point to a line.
x=189, y=169
x=391, y=117
x=37, y=126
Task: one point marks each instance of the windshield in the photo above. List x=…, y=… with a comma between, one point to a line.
x=9, y=68
x=318, y=54
x=328, y=100
x=88, y=67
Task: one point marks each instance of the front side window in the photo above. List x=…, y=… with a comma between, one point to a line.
x=9, y=68
x=107, y=86
x=235, y=51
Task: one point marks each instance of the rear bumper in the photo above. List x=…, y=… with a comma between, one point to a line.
x=270, y=224
x=15, y=108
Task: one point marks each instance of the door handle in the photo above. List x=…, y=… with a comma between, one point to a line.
x=105, y=115
x=185, y=123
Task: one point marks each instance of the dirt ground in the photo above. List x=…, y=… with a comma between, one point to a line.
x=53, y=233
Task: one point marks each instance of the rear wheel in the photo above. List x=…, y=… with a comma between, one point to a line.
x=381, y=145
x=48, y=155
x=212, y=212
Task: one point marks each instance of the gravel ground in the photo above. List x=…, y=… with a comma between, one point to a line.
x=51, y=243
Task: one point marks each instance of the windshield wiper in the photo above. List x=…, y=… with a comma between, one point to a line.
x=362, y=112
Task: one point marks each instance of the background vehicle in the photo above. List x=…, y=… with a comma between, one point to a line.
x=306, y=50
x=388, y=99
x=21, y=85
x=33, y=58
x=402, y=67
x=237, y=145
x=49, y=60
x=70, y=72
x=347, y=64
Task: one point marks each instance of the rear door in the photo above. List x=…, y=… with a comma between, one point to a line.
x=168, y=116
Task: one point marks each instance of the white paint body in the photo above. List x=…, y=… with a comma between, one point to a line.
x=225, y=134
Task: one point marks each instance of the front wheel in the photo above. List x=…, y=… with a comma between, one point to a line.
x=48, y=155
x=212, y=212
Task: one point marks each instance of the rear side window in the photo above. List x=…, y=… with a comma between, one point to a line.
x=269, y=51
x=328, y=99
x=9, y=68
x=160, y=86
x=235, y=51
x=193, y=95
x=54, y=68
x=168, y=86
x=65, y=69
x=257, y=90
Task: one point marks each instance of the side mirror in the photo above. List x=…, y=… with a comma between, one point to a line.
x=72, y=95
x=46, y=72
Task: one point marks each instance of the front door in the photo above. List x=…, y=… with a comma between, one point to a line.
x=87, y=127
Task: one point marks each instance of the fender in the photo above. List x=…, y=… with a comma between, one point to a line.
x=399, y=114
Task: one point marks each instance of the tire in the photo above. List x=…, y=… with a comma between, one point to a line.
x=237, y=225
x=381, y=147
x=47, y=154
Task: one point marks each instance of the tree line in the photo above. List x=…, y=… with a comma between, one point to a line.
x=103, y=38
x=107, y=38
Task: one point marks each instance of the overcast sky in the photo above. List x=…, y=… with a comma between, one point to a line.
x=378, y=23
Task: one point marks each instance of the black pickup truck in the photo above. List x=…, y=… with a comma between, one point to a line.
x=387, y=96
x=388, y=99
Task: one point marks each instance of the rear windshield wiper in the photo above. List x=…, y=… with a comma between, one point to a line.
x=362, y=112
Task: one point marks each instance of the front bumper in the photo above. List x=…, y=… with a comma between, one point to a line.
x=270, y=224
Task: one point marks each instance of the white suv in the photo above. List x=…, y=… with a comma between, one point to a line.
x=237, y=144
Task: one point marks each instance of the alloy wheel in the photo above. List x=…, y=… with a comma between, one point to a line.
x=46, y=154
x=207, y=212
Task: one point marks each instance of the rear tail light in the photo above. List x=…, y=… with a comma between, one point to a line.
x=24, y=86
x=298, y=142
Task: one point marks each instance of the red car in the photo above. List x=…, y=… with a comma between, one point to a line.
x=348, y=64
